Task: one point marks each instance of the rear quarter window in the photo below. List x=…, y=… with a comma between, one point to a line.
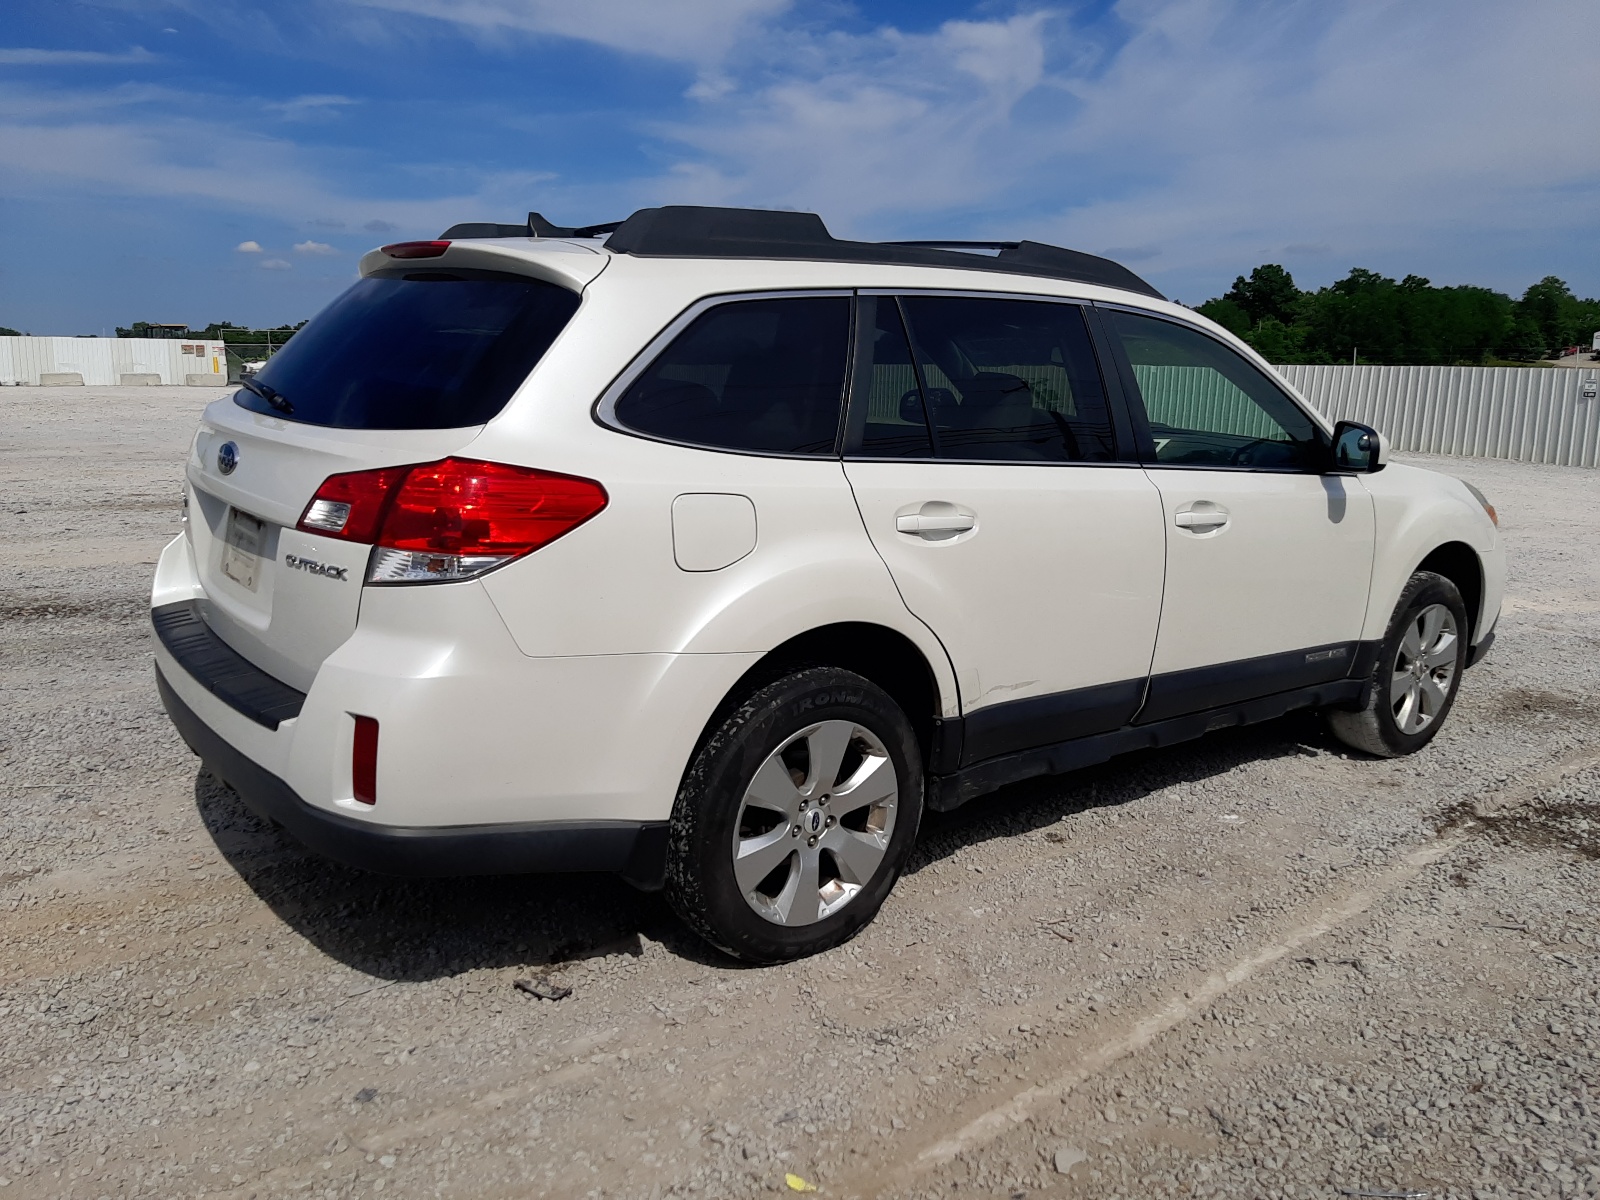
x=752, y=375
x=414, y=350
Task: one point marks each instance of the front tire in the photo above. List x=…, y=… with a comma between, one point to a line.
x=796, y=817
x=1414, y=681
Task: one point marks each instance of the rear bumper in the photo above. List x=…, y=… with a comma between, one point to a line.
x=636, y=850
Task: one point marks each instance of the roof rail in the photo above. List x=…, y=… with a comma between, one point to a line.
x=690, y=231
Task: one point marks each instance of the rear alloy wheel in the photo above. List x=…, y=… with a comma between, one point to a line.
x=796, y=817
x=815, y=823
x=1414, y=681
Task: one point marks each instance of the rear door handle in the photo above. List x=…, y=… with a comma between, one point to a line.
x=918, y=523
x=1201, y=518
x=936, y=518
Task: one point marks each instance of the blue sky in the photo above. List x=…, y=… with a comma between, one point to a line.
x=144, y=142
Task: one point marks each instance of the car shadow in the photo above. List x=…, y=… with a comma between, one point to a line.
x=419, y=929
x=412, y=930
x=1038, y=803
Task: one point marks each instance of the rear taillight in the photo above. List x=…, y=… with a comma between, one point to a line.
x=449, y=520
x=416, y=249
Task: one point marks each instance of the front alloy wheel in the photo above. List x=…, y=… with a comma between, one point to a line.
x=1424, y=668
x=1418, y=670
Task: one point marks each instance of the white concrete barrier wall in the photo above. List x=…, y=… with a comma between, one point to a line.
x=103, y=361
x=1527, y=414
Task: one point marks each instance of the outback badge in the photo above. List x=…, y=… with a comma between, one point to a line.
x=312, y=567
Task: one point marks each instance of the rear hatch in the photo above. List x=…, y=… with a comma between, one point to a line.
x=403, y=368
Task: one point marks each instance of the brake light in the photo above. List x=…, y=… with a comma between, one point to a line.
x=416, y=249
x=452, y=519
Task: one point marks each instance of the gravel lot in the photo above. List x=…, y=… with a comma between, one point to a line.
x=1251, y=966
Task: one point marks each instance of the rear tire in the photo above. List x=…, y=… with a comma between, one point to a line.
x=1418, y=671
x=796, y=817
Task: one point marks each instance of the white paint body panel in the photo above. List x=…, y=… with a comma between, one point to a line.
x=292, y=620
x=471, y=730
x=712, y=530
x=1290, y=568
x=1415, y=511
x=1057, y=586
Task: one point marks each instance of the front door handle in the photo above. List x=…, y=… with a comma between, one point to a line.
x=936, y=519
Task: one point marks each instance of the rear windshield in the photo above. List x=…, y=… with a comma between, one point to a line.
x=414, y=350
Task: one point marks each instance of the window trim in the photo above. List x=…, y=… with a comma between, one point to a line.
x=604, y=410
x=1123, y=432
x=1145, y=440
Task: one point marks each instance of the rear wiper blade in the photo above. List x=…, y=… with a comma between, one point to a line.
x=268, y=393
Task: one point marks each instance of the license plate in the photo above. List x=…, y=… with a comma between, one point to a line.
x=241, y=551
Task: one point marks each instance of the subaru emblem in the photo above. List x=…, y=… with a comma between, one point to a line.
x=227, y=457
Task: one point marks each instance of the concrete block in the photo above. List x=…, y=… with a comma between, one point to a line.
x=140, y=379
x=61, y=379
x=207, y=380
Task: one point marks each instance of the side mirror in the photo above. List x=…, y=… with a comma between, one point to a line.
x=1359, y=448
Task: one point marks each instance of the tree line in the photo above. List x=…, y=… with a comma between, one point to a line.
x=1374, y=319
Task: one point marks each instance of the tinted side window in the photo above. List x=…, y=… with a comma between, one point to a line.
x=763, y=375
x=415, y=350
x=1009, y=380
x=896, y=424
x=1209, y=406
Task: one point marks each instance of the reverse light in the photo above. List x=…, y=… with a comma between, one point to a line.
x=452, y=519
x=416, y=249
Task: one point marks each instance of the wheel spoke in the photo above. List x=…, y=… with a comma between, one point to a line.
x=858, y=854
x=755, y=858
x=1431, y=623
x=827, y=744
x=1411, y=644
x=800, y=902
x=874, y=782
x=1405, y=714
x=1443, y=652
x=773, y=789
x=1431, y=698
x=1400, y=685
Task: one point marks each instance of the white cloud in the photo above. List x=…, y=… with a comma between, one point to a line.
x=25, y=57
x=311, y=108
x=71, y=142
x=276, y=264
x=314, y=248
x=248, y=247
x=1197, y=137
x=1201, y=136
x=871, y=124
x=696, y=31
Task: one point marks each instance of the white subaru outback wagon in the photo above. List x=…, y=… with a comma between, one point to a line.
x=709, y=549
